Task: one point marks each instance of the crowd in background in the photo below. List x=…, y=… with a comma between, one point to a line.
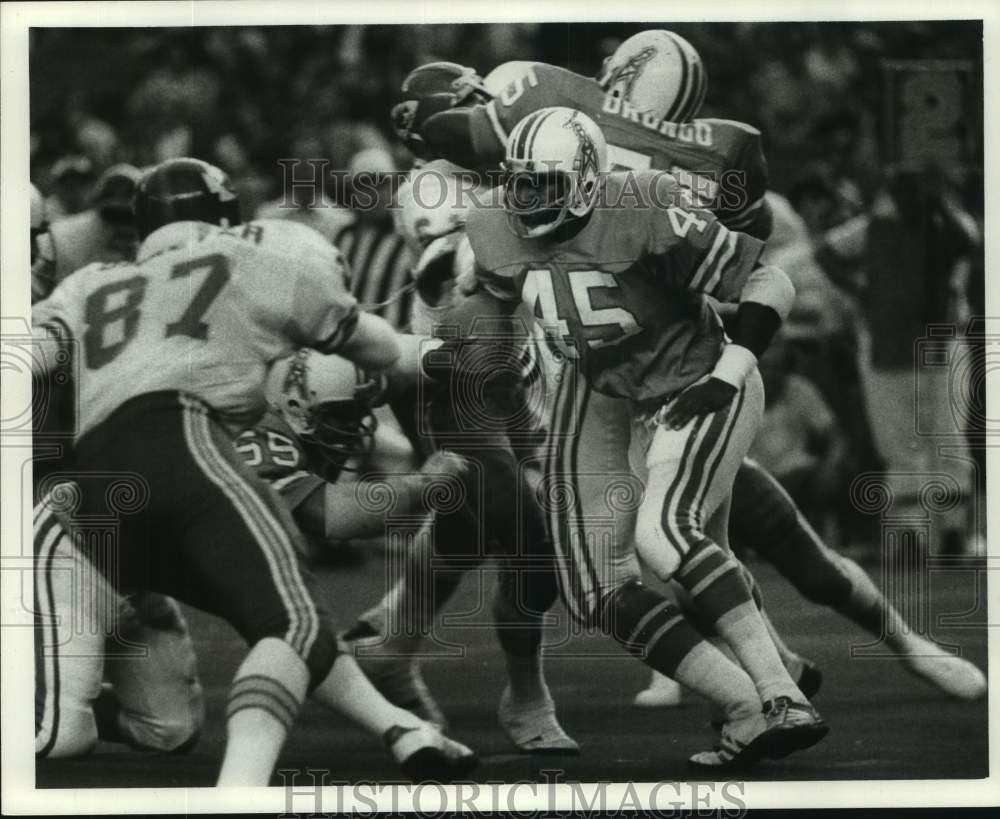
x=243, y=98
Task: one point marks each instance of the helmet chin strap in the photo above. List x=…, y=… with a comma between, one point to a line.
x=524, y=231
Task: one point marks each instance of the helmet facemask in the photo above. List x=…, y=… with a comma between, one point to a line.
x=555, y=158
x=537, y=203
x=338, y=433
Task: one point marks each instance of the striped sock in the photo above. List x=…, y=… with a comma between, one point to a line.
x=654, y=629
x=264, y=701
x=715, y=582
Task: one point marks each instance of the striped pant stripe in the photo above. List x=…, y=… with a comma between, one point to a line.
x=577, y=584
x=704, y=450
x=269, y=532
x=48, y=533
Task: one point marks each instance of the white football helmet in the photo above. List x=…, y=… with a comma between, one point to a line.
x=659, y=73
x=327, y=402
x=431, y=205
x=553, y=166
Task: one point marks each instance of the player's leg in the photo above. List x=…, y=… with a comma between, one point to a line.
x=592, y=498
x=71, y=601
x=690, y=474
x=527, y=589
x=154, y=701
x=272, y=604
x=766, y=519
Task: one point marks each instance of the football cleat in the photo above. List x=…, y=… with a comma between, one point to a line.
x=739, y=746
x=423, y=753
x=792, y=726
x=782, y=728
x=534, y=729
x=958, y=678
x=662, y=692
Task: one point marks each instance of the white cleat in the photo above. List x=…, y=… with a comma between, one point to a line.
x=737, y=748
x=783, y=728
x=958, y=678
x=663, y=692
x=423, y=753
x=534, y=728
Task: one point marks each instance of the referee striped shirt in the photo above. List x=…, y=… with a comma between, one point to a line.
x=380, y=264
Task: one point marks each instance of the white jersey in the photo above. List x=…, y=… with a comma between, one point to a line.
x=203, y=309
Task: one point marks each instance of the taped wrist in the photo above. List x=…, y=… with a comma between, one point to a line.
x=734, y=365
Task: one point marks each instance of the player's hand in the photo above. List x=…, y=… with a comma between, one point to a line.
x=699, y=399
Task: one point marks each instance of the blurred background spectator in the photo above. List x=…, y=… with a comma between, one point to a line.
x=876, y=254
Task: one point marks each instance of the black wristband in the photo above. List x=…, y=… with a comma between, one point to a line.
x=755, y=326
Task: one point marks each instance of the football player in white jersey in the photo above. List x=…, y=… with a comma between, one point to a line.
x=174, y=349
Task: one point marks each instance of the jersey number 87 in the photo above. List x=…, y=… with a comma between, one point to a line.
x=112, y=312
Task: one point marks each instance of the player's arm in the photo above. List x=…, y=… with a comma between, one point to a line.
x=465, y=136
x=709, y=258
x=476, y=137
x=326, y=317
x=372, y=344
x=335, y=514
x=51, y=333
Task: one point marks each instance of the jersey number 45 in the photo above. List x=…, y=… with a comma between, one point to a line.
x=599, y=326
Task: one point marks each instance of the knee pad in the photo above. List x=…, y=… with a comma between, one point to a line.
x=649, y=626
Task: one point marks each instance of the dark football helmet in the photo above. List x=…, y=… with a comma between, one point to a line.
x=185, y=189
x=429, y=89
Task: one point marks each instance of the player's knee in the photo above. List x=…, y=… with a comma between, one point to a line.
x=322, y=655
x=294, y=626
x=663, y=541
x=72, y=733
x=628, y=609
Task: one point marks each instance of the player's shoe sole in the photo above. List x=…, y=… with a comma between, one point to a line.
x=787, y=727
x=792, y=727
